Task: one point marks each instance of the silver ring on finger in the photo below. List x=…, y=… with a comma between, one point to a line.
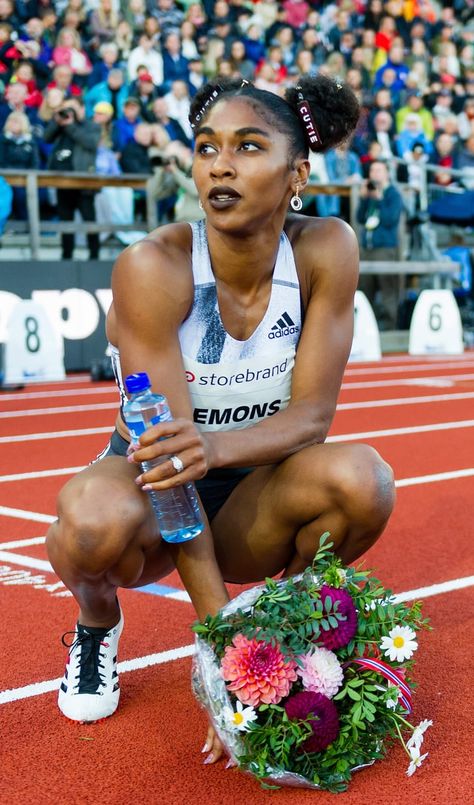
x=177, y=464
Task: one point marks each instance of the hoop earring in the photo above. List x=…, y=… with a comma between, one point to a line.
x=200, y=204
x=295, y=201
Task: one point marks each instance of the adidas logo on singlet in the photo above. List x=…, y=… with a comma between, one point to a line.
x=284, y=326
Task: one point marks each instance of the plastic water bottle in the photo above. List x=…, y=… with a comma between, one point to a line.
x=176, y=509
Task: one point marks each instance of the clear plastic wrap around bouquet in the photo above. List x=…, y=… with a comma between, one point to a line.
x=308, y=679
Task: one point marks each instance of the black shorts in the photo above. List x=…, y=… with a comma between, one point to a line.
x=213, y=490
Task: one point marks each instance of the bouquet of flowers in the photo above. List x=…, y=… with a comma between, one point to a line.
x=308, y=679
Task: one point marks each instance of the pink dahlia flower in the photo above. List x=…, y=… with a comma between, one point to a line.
x=321, y=672
x=345, y=631
x=324, y=718
x=257, y=672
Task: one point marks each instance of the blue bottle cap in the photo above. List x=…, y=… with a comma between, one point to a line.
x=137, y=382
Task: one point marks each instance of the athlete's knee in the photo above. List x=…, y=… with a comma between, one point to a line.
x=95, y=525
x=364, y=486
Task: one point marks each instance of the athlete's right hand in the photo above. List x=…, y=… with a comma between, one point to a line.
x=179, y=438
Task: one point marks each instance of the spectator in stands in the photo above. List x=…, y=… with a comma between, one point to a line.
x=173, y=128
x=135, y=157
x=465, y=162
x=395, y=62
x=343, y=167
x=296, y=13
x=384, y=134
x=144, y=55
x=113, y=91
x=33, y=31
x=417, y=178
x=254, y=47
x=125, y=124
x=15, y=101
x=134, y=12
x=152, y=29
x=69, y=51
x=145, y=91
x=445, y=156
x=103, y=23
x=196, y=77
x=24, y=74
x=415, y=105
x=175, y=66
x=178, y=101
x=82, y=12
x=107, y=61
x=75, y=141
x=52, y=101
x=106, y=160
x=63, y=79
x=8, y=14
x=124, y=41
x=411, y=133
x=442, y=108
x=188, y=41
x=379, y=214
x=466, y=119
x=168, y=14
x=267, y=79
x=18, y=150
x=240, y=64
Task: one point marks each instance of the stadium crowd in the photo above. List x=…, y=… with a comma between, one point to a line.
x=105, y=86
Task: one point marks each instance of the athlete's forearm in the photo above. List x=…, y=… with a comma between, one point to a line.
x=197, y=566
x=271, y=440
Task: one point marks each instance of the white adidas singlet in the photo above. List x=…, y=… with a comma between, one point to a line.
x=234, y=384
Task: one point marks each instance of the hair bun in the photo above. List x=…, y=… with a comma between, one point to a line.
x=327, y=108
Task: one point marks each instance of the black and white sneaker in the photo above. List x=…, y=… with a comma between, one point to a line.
x=90, y=687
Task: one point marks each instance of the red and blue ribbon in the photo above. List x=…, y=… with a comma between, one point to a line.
x=380, y=667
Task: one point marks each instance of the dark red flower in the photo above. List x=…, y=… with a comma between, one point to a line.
x=325, y=724
x=345, y=631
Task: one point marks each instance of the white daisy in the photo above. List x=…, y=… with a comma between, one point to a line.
x=240, y=718
x=417, y=738
x=416, y=761
x=400, y=643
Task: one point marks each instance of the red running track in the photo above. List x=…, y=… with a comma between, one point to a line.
x=419, y=414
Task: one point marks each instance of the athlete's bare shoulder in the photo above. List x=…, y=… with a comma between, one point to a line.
x=166, y=246
x=322, y=244
x=154, y=274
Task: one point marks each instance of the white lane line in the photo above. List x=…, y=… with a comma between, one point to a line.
x=375, y=434
x=38, y=688
x=21, y=514
x=112, y=388
x=425, y=380
x=419, y=367
x=352, y=406
x=24, y=476
x=66, y=409
x=436, y=589
x=40, y=564
x=149, y=660
x=63, y=434
x=22, y=543
x=38, y=395
x=435, y=477
x=26, y=561
x=55, y=434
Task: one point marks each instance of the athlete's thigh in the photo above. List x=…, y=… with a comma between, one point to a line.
x=255, y=530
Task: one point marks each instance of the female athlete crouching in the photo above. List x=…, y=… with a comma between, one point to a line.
x=244, y=321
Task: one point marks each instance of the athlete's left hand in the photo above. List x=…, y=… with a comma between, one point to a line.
x=214, y=749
